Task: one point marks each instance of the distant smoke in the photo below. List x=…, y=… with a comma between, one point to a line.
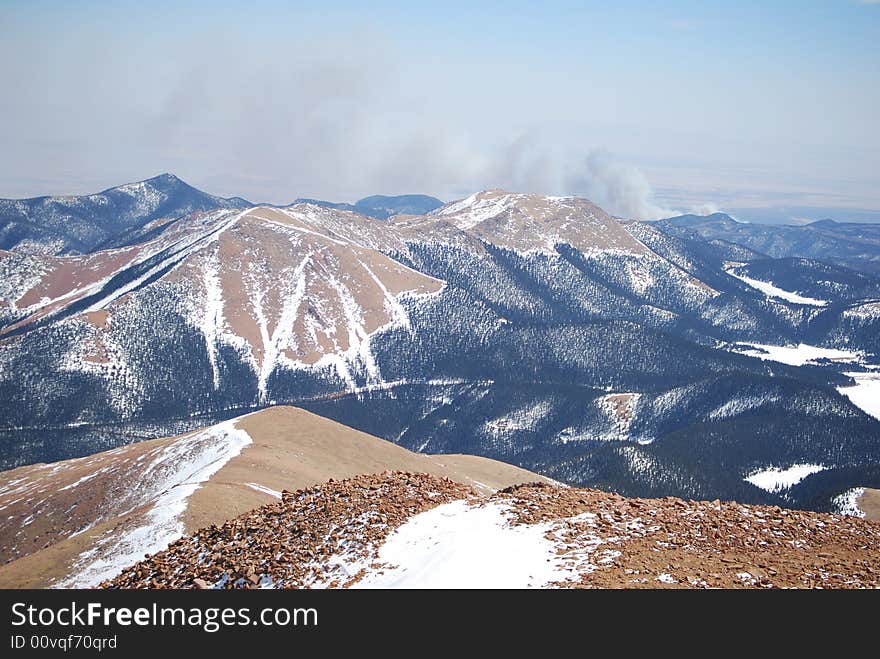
x=707, y=208
x=619, y=188
x=280, y=119
x=530, y=165
x=275, y=100
x=526, y=165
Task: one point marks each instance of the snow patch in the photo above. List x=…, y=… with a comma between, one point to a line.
x=264, y=490
x=775, y=480
x=797, y=355
x=82, y=480
x=274, y=343
x=461, y=545
x=848, y=502
x=212, y=322
x=768, y=289
x=865, y=394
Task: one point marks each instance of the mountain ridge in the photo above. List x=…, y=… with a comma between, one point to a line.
x=66, y=523
x=849, y=244
x=82, y=223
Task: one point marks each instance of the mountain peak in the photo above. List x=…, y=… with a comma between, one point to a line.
x=164, y=183
x=534, y=222
x=166, y=180
x=115, y=216
x=166, y=176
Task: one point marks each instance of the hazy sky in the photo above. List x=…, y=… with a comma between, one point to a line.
x=645, y=107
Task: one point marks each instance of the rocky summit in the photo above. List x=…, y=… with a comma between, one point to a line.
x=409, y=530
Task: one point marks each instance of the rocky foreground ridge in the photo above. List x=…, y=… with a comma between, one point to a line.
x=398, y=529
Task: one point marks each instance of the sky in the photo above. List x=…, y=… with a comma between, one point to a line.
x=647, y=108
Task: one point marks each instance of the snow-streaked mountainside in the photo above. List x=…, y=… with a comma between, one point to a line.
x=147, y=484
x=80, y=224
x=535, y=330
x=293, y=287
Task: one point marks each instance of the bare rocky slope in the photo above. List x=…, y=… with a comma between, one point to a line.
x=415, y=530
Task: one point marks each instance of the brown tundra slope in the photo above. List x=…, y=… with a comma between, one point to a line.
x=77, y=522
x=416, y=530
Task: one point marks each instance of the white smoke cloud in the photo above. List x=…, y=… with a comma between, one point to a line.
x=707, y=208
x=281, y=101
x=619, y=188
x=284, y=119
x=530, y=164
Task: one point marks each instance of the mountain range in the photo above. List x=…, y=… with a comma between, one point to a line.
x=649, y=359
x=64, y=225
x=854, y=245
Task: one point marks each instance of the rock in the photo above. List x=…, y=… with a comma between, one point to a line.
x=291, y=541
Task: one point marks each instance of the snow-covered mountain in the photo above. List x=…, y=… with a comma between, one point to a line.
x=535, y=330
x=80, y=224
